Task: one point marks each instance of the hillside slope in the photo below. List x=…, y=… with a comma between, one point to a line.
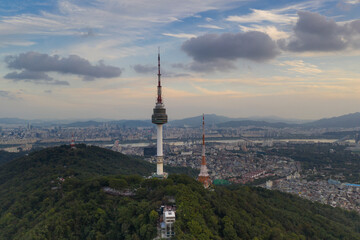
x=57, y=193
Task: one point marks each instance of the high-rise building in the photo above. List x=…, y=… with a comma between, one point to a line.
x=204, y=177
x=159, y=118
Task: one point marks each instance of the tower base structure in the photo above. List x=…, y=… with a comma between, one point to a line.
x=205, y=180
x=163, y=176
x=159, y=168
x=204, y=177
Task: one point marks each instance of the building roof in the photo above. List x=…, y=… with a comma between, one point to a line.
x=169, y=214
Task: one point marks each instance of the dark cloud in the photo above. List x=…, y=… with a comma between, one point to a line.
x=7, y=95
x=34, y=77
x=253, y=45
x=180, y=75
x=37, y=62
x=144, y=69
x=314, y=32
x=30, y=75
x=175, y=75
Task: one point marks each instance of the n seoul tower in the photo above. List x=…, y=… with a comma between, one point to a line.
x=159, y=118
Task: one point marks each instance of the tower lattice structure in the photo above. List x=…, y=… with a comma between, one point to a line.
x=204, y=177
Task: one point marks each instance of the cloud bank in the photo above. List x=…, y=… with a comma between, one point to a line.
x=144, y=69
x=314, y=32
x=38, y=62
x=34, y=77
x=6, y=94
x=255, y=46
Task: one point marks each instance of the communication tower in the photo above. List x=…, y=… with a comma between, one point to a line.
x=204, y=175
x=159, y=118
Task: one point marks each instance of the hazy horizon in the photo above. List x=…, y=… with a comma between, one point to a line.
x=273, y=118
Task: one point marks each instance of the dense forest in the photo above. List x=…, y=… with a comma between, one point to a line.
x=58, y=193
x=8, y=156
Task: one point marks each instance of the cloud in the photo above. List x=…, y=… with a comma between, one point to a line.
x=258, y=16
x=34, y=77
x=314, y=32
x=15, y=42
x=220, y=65
x=28, y=75
x=179, y=35
x=300, y=66
x=254, y=45
x=88, y=33
x=37, y=62
x=352, y=1
x=7, y=95
x=144, y=69
x=272, y=31
x=210, y=26
x=175, y=75
x=68, y=16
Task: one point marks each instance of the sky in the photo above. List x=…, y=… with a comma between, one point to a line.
x=74, y=59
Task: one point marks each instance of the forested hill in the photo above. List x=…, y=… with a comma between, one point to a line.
x=57, y=193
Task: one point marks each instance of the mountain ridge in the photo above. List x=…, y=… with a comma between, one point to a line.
x=344, y=121
x=57, y=193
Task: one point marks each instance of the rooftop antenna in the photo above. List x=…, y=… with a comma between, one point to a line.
x=159, y=98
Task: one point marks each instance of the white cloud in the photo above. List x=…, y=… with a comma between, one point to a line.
x=108, y=15
x=16, y=43
x=300, y=66
x=179, y=35
x=272, y=31
x=258, y=16
x=210, y=26
x=352, y=1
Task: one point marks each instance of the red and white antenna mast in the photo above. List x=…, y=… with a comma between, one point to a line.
x=72, y=144
x=159, y=98
x=204, y=177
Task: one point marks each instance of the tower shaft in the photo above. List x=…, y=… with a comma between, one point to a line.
x=159, y=146
x=159, y=118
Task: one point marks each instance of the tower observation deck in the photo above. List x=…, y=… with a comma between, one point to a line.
x=159, y=118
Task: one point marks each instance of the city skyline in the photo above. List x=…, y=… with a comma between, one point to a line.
x=69, y=59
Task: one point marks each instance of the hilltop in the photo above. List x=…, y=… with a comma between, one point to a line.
x=57, y=193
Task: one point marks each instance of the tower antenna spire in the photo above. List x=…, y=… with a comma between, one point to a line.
x=159, y=98
x=203, y=125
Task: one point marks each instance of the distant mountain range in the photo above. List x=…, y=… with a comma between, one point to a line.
x=345, y=121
